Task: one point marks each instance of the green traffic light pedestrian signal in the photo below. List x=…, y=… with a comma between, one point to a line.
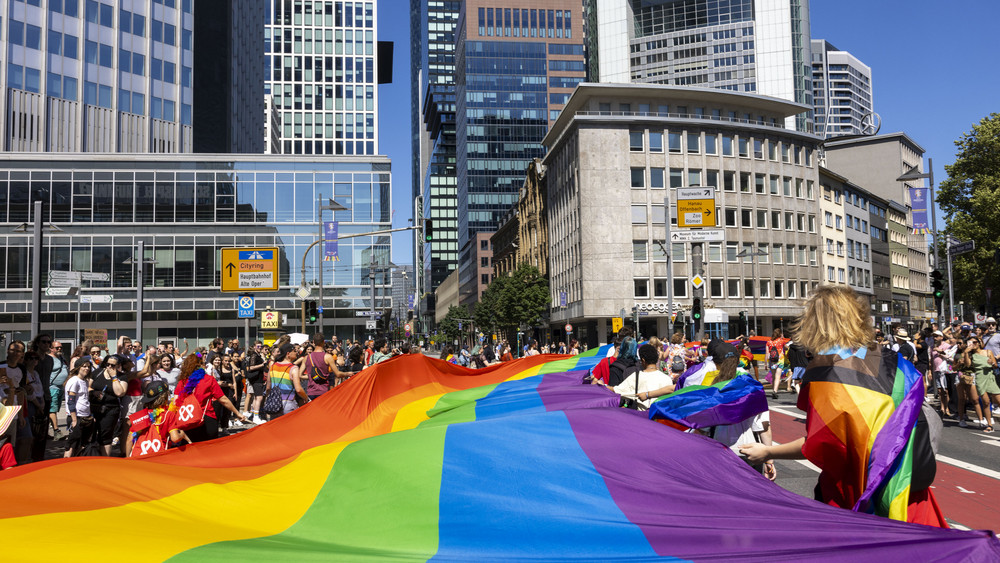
x=696, y=309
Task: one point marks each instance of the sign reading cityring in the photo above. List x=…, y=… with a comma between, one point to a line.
x=249, y=269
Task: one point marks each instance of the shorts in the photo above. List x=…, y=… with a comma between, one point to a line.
x=56, y=397
x=945, y=379
x=107, y=423
x=256, y=387
x=797, y=373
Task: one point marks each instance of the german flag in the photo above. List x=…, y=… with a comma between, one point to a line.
x=861, y=410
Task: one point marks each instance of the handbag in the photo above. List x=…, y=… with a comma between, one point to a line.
x=190, y=414
x=272, y=401
x=967, y=378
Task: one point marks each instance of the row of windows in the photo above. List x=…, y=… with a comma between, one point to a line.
x=324, y=12
x=677, y=141
x=328, y=41
x=525, y=23
x=643, y=251
x=723, y=288
x=711, y=178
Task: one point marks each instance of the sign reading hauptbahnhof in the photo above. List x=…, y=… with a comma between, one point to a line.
x=249, y=269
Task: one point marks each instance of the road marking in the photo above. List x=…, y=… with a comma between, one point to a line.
x=964, y=490
x=990, y=442
x=793, y=414
x=804, y=462
x=969, y=467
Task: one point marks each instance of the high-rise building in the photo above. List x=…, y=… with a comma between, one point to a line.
x=842, y=90
x=228, y=74
x=97, y=76
x=516, y=65
x=759, y=46
x=432, y=69
x=323, y=73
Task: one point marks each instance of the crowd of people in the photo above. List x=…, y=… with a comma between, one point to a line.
x=131, y=401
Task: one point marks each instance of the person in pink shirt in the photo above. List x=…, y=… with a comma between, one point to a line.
x=944, y=375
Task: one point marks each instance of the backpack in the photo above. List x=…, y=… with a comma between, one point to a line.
x=678, y=364
x=773, y=353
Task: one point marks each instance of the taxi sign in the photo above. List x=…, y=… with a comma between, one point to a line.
x=696, y=207
x=270, y=320
x=250, y=269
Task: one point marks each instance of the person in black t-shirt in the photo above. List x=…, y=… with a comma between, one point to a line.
x=108, y=386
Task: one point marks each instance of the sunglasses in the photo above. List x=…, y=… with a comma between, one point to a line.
x=114, y=365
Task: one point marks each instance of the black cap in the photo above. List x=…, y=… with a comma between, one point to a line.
x=720, y=350
x=81, y=360
x=152, y=390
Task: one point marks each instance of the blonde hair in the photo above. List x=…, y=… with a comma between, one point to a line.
x=834, y=316
x=655, y=342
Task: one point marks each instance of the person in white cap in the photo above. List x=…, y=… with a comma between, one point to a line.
x=941, y=366
x=991, y=339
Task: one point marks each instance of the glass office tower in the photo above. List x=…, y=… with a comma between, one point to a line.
x=433, y=26
x=322, y=73
x=842, y=90
x=97, y=76
x=759, y=46
x=185, y=209
x=517, y=65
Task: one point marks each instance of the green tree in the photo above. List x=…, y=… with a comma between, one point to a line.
x=486, y=311
x=449, y=324
x=968, y=199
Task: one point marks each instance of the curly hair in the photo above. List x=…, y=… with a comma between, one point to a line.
x=834, y=316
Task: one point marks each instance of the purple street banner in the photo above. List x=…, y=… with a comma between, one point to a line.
x=330, y=246
x=918, y=202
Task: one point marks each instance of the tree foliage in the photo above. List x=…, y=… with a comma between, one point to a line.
x=449, y=324
x=510, y=302
x=969, y=200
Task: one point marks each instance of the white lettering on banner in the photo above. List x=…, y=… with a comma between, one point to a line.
x=256, y=280
x=185, y=413
x=151, y=446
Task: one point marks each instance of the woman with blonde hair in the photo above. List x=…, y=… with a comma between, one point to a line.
x=861, y=402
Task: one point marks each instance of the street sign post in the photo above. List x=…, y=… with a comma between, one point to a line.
x=703, y=235
x=96, y=298
x=250, y=269
x=568, y=327
x=696, y=207
x=370, y=325
x=616, y=324
x=94, y=276
x=375, y=315
x=244, y=307
x=63, y=282
x=697, y=281
x=962, y=248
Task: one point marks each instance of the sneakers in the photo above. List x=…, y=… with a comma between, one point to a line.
x=982, y=422
x=57, y=435
x=963, y=424
x=248, y=414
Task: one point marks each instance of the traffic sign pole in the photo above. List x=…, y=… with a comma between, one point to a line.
x=668, y=249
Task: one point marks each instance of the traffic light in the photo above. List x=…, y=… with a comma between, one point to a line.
x=937, y=284
x=311, y=311
x=696, y=309
x=743, y=316
x=428, y=230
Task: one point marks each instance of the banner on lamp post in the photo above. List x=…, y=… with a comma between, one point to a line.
x=919, y=203
x=330, y=252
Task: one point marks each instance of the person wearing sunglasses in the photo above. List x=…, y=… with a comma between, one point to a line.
x=58, y=378
x=108, y=387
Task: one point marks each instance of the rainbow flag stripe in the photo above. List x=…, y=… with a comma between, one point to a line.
x=416, y=459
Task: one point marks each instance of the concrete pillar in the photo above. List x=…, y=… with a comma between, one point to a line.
x=602, y=330
x=663, y=328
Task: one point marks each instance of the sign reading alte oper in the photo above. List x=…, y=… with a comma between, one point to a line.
x=249, y=269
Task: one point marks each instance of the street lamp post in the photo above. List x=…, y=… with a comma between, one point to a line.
x=753, y=254
x=36, y=264
x=913, y=174
x=331, y=206
x=139, y=286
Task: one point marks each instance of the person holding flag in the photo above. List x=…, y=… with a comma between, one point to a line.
x=865, y=428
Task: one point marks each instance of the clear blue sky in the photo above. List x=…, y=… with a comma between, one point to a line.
x=935, y=72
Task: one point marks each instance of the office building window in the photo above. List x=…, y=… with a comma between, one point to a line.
x=638, y=177
x=655, y=141
x=641, y=287
x=635, y=141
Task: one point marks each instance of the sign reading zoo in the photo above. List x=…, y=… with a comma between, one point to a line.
x=249, y=269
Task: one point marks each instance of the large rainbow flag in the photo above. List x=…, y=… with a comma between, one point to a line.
x=417, y=459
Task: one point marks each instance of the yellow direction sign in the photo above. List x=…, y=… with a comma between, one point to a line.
x=270, y=320
x=249, y=269
x=616, y=324
x=696, y=207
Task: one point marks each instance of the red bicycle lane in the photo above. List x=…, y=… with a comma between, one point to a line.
x=966, y=497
